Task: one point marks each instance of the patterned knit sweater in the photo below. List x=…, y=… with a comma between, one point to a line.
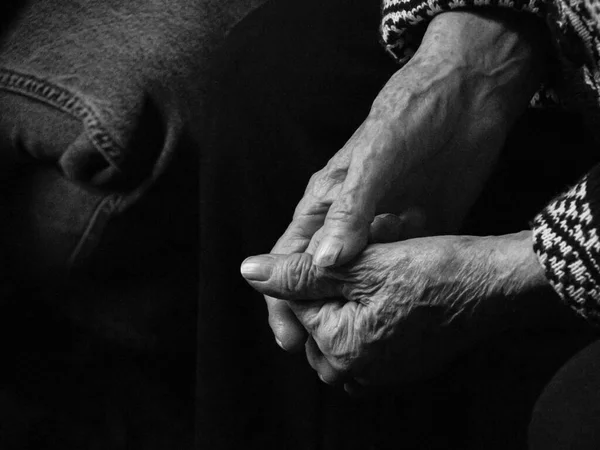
x=566, y=233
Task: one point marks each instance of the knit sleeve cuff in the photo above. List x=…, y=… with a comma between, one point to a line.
x=403, y=22
x=567, y=243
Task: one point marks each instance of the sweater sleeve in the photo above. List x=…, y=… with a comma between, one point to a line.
x=403, y=22
x=567, y=243
x=574, y=24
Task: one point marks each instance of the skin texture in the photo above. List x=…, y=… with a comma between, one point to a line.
x=447, y=112
x=401, y=310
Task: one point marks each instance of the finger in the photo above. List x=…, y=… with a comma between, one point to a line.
x=319, y=363
x=354, y=389
x=289, y=333
x=387, y=228
x=371, y=171
x=363, y=382
x=384, y=228
x=314, y=242
x=308, y=219
x=309, y=216
x=345, y=232
x=294, y=277
x=298, y=234
x=290, y=277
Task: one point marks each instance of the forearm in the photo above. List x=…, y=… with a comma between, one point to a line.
x=517, y=270
x=504, y=282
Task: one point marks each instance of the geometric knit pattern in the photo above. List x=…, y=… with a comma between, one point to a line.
x=566, y=241
x=403, y=21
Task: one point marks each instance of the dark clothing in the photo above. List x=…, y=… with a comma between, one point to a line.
x=566, y=416
x=99, y=223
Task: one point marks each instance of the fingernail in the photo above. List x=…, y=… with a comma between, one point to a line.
x=279, y=343
x=327, y=253
x=258, y=268
x=323, y=379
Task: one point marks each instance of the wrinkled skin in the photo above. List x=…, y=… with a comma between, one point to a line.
x=425, y=149
x=400, y=311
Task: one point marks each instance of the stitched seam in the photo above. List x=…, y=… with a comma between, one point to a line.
x=64, y=100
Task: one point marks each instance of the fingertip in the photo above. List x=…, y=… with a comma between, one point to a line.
x=292, y=342
x=354, y=389
x=340, y=245
x=322, y=378
x=328, y=252
x=257, y=268
x=288, y=333
x=385, y=228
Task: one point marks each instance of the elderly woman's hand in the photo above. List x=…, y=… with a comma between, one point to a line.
x=403, y=309
x=427, y=145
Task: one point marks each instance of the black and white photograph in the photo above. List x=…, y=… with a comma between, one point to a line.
x=300, y=225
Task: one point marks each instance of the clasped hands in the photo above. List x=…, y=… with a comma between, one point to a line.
x=384, y=298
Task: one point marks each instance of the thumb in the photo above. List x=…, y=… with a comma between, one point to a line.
x=290, y=277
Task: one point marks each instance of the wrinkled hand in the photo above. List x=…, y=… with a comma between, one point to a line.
x=400, y=311
x=426, y=147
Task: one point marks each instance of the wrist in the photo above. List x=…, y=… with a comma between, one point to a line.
x=516, y=265
x=500, y=54
x=499, y=275
x=519, y=292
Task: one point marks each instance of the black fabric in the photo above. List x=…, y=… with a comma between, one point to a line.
x=100, y=263
x=567, y=414
x=291, y=84
x=107, y=359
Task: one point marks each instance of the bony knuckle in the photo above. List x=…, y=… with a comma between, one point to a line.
x=338, y=174
x=341, y=363
x=344, y=213
x=349, y=216
x=296, y=275
x=338, y=352
x=315, y=181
